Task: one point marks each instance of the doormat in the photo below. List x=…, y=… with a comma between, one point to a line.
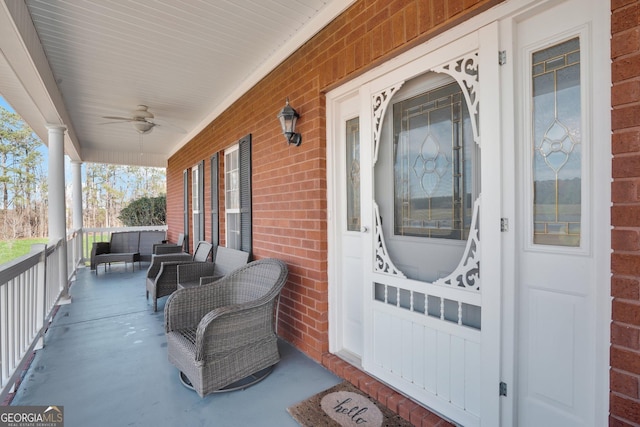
x=344, y=405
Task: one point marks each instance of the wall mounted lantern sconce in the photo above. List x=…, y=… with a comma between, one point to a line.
x=288, y=118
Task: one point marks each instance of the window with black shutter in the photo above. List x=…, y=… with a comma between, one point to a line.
x=237, y=187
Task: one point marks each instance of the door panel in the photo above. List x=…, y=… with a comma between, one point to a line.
x=347, y=339
x=556, y=310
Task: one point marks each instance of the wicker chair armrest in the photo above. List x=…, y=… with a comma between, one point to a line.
x=157, y=260
x=168, y=273
x=100, y=248
x=233, y=326
x=206, y=280
x=193, y=271
x=182, y=257
x=166, y=248
x=185, y=308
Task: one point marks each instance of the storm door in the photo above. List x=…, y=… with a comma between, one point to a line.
x=405, y=247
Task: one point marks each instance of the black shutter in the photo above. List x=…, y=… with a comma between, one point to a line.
x=185, y=204
x=215, y=201
x=246, y=238
x=201, y=200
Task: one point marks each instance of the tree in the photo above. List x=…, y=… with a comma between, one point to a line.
x=21, y=178
x=108, y=188
x=145, y=211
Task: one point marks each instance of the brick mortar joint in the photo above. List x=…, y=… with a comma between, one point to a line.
x=627, y=373
x=620, y=252
x=624, y=31
x=625, y=396
x=626, y=325
x=626, y=349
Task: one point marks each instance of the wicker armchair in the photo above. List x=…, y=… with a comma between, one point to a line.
x=223, y=332
x=162, y=275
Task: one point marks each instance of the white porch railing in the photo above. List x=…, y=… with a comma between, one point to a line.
x=30, y=288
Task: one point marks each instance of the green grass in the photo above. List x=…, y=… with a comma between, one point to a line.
x=12, y=249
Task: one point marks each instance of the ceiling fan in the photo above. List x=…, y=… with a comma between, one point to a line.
x=140, y=119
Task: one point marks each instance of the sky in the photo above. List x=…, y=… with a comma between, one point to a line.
x=5, y=104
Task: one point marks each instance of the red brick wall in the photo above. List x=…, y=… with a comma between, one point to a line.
x=625, y=214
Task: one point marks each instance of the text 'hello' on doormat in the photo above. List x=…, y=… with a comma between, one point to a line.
x=344, y=405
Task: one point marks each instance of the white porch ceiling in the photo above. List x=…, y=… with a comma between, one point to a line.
x=72, y=62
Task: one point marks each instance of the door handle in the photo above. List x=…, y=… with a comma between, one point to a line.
x=364, y=229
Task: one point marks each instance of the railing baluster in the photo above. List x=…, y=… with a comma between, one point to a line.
x=4, y=335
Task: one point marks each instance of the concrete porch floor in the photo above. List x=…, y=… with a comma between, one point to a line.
x=105, y=362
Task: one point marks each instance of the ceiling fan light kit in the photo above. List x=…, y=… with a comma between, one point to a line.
x=143, y=126
x=139, y=118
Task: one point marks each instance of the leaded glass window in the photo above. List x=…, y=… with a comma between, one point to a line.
x=353, y=174
x=556, y=144
x=433, y=165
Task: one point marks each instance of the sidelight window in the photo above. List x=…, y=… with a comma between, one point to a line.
x=556, y=144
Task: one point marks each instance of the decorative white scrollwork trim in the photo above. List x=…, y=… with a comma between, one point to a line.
x=467, y=273
x=380, y=103
x=465, y=72
x=383, y=263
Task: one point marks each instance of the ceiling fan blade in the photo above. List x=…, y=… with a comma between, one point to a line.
x=119, y=122
x=128, y=119
x=169, y=126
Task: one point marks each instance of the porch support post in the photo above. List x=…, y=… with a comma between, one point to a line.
x=76, y=197
x=57, y=208
x=76, y=200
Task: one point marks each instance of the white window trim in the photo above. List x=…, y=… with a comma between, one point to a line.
x=227, y=211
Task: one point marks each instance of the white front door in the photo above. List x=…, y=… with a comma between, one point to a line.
x=560, y=199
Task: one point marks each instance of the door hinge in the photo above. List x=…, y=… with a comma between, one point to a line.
x=504, y=224
x=503, y=388
x=502, y=57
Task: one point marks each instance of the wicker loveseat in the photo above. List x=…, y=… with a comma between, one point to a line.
x=223, y=332
x=125, y=246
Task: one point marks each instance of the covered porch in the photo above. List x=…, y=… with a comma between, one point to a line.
x=105, y=361
x=388, y=317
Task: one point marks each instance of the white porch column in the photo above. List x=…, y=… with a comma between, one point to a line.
x=57, y=208
x=76, y=197
x=76, y=200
